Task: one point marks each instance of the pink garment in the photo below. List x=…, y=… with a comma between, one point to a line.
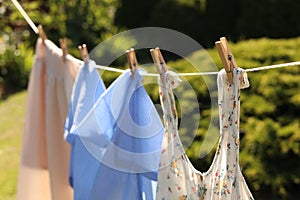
x=44, y=167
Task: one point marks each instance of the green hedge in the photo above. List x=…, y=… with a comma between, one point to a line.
x=207, y=20
x=270, y=119
x=15, y=64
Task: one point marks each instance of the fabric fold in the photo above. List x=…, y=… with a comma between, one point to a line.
x=224, y=179
x=43, y=171
x=115, y=138
x=177, y=178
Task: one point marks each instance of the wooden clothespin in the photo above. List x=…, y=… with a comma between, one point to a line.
x=226, y=57
x=132, y=61
x=64, y=47
x=158, y=60
x=42, y=33
x=84, y=53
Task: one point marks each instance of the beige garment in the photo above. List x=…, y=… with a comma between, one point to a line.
x=44, y=167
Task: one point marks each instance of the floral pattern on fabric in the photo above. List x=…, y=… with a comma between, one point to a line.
x=177, y=178
x=224, y=176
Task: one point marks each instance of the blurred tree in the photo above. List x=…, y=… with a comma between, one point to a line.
x=270, y=137
x=268, y=18
x=177, y=16
x=207, y=20
x=221, y=17
x=134, y=13
x=15, y=54
x=85, y=21
x=181, y=15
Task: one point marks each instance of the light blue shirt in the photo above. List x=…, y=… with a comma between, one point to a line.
x=116, y=137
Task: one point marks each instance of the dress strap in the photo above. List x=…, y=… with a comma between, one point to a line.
x=169, y=82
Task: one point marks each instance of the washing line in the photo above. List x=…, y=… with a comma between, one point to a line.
x=36, y=30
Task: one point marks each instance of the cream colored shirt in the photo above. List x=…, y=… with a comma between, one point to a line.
x=44, y=167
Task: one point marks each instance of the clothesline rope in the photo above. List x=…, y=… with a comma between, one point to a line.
x=297, y=63
x=36, y=30
x=209, y=73
x=26, y=17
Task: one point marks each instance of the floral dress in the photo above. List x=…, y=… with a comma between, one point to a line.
x=224, y=179
x=177, y=178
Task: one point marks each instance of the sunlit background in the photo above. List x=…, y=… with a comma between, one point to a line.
x=261, y=32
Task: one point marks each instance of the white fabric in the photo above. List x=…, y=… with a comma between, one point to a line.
x=224, y=179
x=177, y=178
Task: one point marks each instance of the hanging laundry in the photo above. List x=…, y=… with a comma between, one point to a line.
x=115, y=138
x=177, y=178
x=87, y=89
x=224, y=179
x=43, y=172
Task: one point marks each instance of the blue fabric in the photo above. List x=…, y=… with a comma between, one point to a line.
x=116, y=138
x=86, y=91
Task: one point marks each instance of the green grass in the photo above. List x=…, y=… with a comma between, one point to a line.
x=11, y=127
